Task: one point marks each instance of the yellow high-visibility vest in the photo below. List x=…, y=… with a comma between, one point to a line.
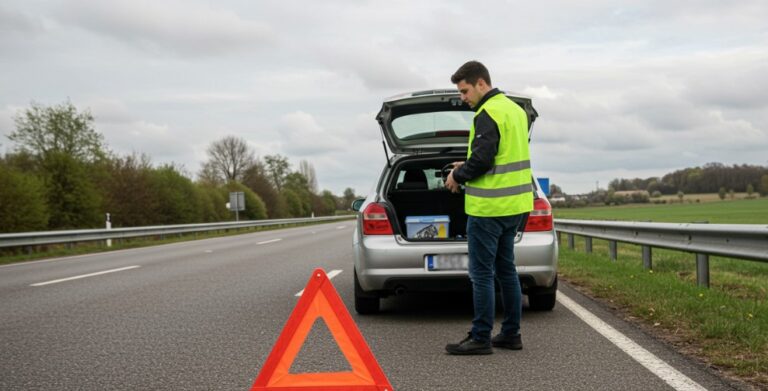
x=506, y=189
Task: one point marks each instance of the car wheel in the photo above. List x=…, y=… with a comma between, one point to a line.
x=365, y=304
x=543, y=301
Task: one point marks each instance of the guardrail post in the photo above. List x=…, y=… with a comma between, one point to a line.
x=702, y=270
x=612, y=246
x=647, y=258
x=571, y=243
x=588, y=244
x=559, y=237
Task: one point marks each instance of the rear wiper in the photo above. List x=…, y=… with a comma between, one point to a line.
x=418, y=136
x=438, y=133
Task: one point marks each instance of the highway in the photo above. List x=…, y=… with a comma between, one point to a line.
x=204, y=315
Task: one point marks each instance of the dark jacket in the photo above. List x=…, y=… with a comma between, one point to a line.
x=484, y=146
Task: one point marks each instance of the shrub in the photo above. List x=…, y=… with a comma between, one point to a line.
x=22, y=204
x=254, y=206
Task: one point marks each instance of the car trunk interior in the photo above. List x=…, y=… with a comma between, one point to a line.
x=416, y=190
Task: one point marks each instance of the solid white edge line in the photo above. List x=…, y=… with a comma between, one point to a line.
x=269, y=241
x=658, y=367
x=331, y=274
x=84, y=276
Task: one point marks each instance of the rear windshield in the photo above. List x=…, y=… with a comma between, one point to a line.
x=419, y=179
x=433, y=124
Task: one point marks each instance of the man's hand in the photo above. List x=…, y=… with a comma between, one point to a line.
x=451, y=183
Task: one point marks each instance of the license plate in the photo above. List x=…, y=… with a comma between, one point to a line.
x=447, y=262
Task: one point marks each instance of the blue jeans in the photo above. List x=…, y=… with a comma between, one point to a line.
x=491, y=243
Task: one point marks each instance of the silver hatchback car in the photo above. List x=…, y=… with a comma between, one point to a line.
x=411, y=230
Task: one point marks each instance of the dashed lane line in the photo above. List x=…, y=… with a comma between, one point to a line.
x=84, y=276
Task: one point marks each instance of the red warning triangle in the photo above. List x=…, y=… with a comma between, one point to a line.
x=320, y=300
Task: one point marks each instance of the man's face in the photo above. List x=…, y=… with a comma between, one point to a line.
x=469, y=93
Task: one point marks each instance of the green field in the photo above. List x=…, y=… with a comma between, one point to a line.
x=753, y=211
x=725, y=325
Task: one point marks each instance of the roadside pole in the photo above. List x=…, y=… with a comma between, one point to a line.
x=109, y=226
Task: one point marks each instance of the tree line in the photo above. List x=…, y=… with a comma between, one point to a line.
x=711, y=178
x=62, y=175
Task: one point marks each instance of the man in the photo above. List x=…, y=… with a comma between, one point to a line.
x=498, y=196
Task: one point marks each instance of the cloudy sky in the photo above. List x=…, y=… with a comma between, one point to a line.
x=623, y=88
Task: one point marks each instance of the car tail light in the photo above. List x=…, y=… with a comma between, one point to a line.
x=375, y=220
x=540, y=219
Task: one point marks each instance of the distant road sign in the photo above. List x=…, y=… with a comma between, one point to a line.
x=544, y=183
x=236, y=201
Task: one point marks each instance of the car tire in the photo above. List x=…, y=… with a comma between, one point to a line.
x=365, y=304
x=543, y=300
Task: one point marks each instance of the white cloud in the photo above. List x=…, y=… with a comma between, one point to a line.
x=301, y=135
x=541, y=92
x=7, y=126
x=16, y=23
x=178, y=26
x=109, y=110
x=622, y=88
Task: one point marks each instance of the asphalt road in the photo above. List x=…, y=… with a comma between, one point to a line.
x=204, y=315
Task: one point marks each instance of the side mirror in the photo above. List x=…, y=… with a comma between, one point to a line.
x=356, y=204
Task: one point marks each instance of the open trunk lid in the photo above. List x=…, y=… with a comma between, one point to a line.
x=433, y=121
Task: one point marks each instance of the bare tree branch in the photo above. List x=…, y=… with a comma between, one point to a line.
x=229, y=157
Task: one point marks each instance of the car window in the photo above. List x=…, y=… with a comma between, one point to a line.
x=431, y=178
x=423, y=125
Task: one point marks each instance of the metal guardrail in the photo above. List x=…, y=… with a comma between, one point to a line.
x=741, y=241
x=86, y=235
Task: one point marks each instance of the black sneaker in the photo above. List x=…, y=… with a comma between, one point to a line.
x=514, y=342
x=469, y=346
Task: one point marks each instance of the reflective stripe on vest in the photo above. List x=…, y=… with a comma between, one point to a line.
x=503, y=192
x=506, y=189
x=509, y=167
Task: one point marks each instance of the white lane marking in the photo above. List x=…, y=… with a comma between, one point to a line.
x=73, y=257
x=331, y=274
x=341, y=227
x=208, y=251
x=658, y=367
x=84, y=276
x=269, y=241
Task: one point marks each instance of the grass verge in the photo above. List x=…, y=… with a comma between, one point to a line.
x=62, y=250
x=754, y=211
x=726, y=326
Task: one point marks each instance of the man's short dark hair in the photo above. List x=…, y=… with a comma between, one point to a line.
x=471, y=72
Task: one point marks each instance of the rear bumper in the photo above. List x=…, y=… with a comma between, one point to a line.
x=385, y=263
